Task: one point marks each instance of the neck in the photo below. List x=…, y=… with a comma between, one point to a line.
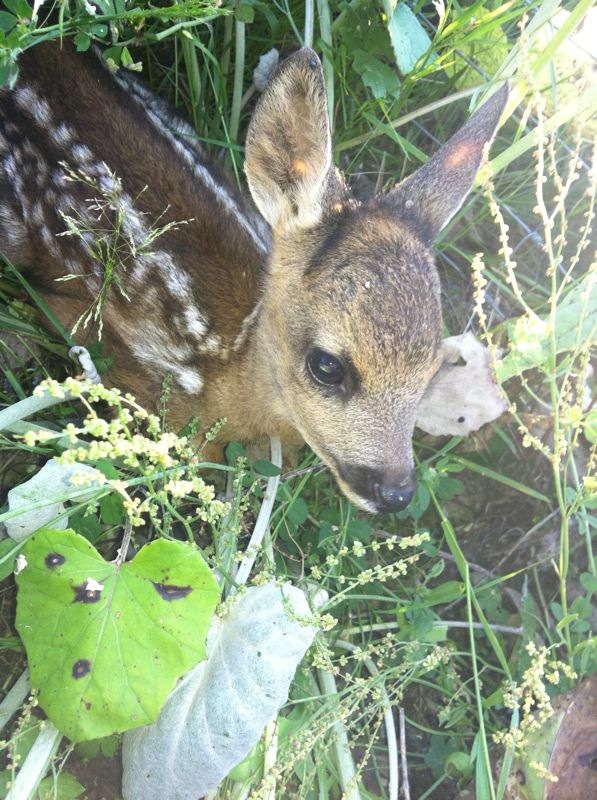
x=246, y=394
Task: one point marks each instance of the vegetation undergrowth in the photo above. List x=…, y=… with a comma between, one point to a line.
x=450, y=632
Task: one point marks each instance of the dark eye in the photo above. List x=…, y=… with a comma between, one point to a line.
x=325, y=368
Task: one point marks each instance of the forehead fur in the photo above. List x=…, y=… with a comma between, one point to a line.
x=378, y=293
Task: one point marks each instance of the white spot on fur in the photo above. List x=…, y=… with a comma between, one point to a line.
x=153, y=347
x=62, y=135
x=195, y=321
x=59, y=178
x=30, y=102
x=37, y=212
x=12, y=171
x=246, y=326
x=133, y=221
x=82, y=153
x=190, y=380
x=214, y=345
x=177, y=281
x=10, y=166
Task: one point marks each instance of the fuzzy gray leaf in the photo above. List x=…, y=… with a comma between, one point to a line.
x=219, y=709
x=53, y=484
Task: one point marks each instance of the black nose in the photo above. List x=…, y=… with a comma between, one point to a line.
x=394, y=497
x=385, y=490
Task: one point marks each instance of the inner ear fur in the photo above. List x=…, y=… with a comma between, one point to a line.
x=288, y=158
x=429, y=198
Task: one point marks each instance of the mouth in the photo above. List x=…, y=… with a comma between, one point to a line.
x=373, y=490
x=365, y=504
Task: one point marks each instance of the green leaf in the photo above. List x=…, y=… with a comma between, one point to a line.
x=7, y=21
x=446, y=592
x=440, y=748
x=447, y=488
x=245, y=13
x=19, y=8
x=589, y=581
x=297, y=512
x=266, y=468
x=410, y=41
x=60, y=787
x=590, y=426
x=83, y=41
x=112, y=509
x=107, y=642
x=106, y=746
x=101, y=30
x=8, y=553
x=567, y=620
x=459, y=765
x=86, y=525
x=234, y=451
x=358, y=530
x=379, y=77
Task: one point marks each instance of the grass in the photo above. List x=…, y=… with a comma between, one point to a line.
x=502, y=556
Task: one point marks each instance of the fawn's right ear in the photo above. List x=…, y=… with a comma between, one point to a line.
x=288, y=158
x=429, y=198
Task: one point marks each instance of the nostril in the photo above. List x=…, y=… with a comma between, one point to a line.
x=394, y=497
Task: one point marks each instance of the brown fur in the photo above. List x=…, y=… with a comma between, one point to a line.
x=355, y=281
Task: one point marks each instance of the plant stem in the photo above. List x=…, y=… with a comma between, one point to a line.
x=308, y=37
x=239, y=71
x=392, y=744
x=37, y=762
x=346, y=768
x=262, y=523
x=325, y=29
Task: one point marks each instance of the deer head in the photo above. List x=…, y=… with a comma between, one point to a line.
x=350, y=325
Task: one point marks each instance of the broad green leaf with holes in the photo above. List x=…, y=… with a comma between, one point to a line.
x=107, y=642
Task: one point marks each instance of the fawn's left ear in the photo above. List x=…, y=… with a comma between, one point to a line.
x=430, y=197
x=288, y=156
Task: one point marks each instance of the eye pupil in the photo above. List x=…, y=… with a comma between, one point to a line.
x=325, y=368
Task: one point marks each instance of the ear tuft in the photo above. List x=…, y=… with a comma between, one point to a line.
x=429, y=198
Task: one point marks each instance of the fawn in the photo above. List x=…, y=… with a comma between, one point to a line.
x=319, y=321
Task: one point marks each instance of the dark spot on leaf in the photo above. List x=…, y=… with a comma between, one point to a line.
x=87, y=705
x=460, y=419
x=169, y=591
x=589, y=760
x=81, y=668
x=259, y=654
x=85, y=595
x=54, y=560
